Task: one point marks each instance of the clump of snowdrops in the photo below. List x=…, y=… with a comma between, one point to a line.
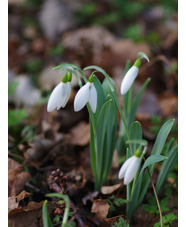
x=103, y=105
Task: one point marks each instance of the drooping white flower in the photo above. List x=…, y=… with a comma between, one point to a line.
x=129, y=169
x=86, y=94
x=129, y=79
x=132, y=73
x=59, y=96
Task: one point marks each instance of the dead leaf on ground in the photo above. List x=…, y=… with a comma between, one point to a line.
x=24, y=194
x=29, y=215
x=16, y=178
x=90, y=197
x=116, y=219
x=100, y=207
x=109, y=189
x=80, y=134
x=13, y=201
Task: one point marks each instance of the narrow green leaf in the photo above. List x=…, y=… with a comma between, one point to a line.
x=100, y=136
x=106, y=87
x=133, y=203
x=46, y=218
x=110, y=142
x=153, y=159
x=92, y=151
x=157, y=149
x=135, y=133
x=162, y=136
x=167, y=167
x=101, y=97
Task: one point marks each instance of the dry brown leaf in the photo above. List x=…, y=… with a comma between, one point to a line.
x=16, y=178
x=116, y=219
x=100, y=207
x=80, y=134
x=30, y=207
x=90, y=197
x=12, y=165
x=109, y=189
x=22, y=195
x=13, y=201
x=31, y=216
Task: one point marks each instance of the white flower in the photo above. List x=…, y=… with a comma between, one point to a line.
x=59, y=96
x=129, y=79
x=86, y=94
x=129, y=169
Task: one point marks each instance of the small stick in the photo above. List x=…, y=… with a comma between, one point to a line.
x=78, y=218
x=119, y=189
x=157, y=200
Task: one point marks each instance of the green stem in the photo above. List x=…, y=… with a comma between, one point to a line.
x=117, y=103
x=91, y=117
x=67, y=208
x=67, y=205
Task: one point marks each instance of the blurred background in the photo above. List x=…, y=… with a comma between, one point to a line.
x=45, y=33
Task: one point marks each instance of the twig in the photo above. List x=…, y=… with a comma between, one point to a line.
x=119, y=189
x=78, y=218
x=157, y=200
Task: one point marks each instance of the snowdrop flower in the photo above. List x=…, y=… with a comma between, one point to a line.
x=130, y=77
x=129, y=168
x=61, y=93
x=86, y=94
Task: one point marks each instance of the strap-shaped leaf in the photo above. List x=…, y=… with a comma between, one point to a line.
x=157, y=149
x=110, y=142
x=153, y=159
x=101, y=97
x=135, y=133
x=100, y=134
x=46, y=218
x=167, y=167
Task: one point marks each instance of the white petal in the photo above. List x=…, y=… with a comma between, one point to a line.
x=82, y=97
x=62, y=96
x=67, y=94
x=93, y=98
x=129, y=79
x=131, y=170
x=55, y=97
x=123, y=168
